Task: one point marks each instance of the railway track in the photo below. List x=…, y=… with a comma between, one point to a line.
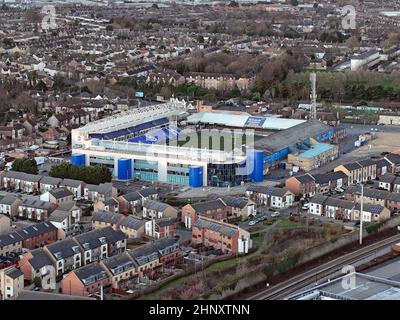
x=283, y=289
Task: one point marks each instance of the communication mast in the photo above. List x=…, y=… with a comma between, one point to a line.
x=313, y=95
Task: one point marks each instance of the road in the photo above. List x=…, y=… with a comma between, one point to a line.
x=298, y=282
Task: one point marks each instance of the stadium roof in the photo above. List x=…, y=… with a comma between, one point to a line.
x=242, y=120
x=135, y=117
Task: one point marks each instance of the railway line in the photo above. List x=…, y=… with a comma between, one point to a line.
x=285, y=288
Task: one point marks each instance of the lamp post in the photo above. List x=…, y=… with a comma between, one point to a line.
x=361, y=212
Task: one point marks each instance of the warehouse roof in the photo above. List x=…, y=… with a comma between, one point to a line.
x=316, y=150
x=298, y=133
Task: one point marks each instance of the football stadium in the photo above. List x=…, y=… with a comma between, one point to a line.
x=169, y=143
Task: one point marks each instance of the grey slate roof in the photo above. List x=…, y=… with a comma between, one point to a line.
x=64, y=248
x=155, y=205
x=71, y=183
x=235, y=202
x=132, y=196
x=132, y=222
x=329, y=176
x=208, y=205
x=272, y=191
x=39, y=259
x=91, y=273
x=318, y=199
x=23, y=176
x=9, y=238
x=58, y=216
x=92, y=239
x=120, y=263
x=50, y=180
x=306, y=178
x=106, y=216
x=9, y=199
x=14, y=273
x=215, y=226
x=36, y=230
x=60, y=193
x=36, y=203
x=144, y=254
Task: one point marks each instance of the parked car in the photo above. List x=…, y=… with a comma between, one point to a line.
x=306, y=206
x=252, y=223
x=275, y=214
x=339, y=189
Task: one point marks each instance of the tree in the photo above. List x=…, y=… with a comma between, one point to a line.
x=92, y=175
x=26, y=164
x=37, y=282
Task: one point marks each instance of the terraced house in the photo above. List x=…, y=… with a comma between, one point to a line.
x=20, y=181
x=66, y=255
x=228, y=238
x=122, y=270
x=85, y=281
x=35, y=209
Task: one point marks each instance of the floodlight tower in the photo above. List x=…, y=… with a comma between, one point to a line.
x=313, y=95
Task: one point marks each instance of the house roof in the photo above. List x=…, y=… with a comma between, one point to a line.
x=106, y=216
x=36, y=230
x=132, y=196
x=60, y=193
x=306, y=178
x=215, y=226
x=33, y=202
x=393, y=158
x=39, y=259
x=352, y=166
x=208, y=205
x=165, y=243
x=236, y=202
x=91, y=273
x=95, y=238
x=329, y=176
x=387, y=177
x=9, y=199
x=163, y=222
x=318, y=199
x=50, y=180
x=144, y=254
x=71, y=183
x=58, y=216
x=272, y=191
x=14, y=273
x=132, y=222
x=156, y=205
x=9, y=238
x=64, y=248
x=120, y=263
x=23, y=176
x=101, y=188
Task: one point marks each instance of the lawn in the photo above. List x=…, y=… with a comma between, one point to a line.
x=285, y=223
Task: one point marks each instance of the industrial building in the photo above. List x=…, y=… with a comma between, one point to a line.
x=354, y=286
x=295, y=140
x=142, y=144
x=318, y=155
